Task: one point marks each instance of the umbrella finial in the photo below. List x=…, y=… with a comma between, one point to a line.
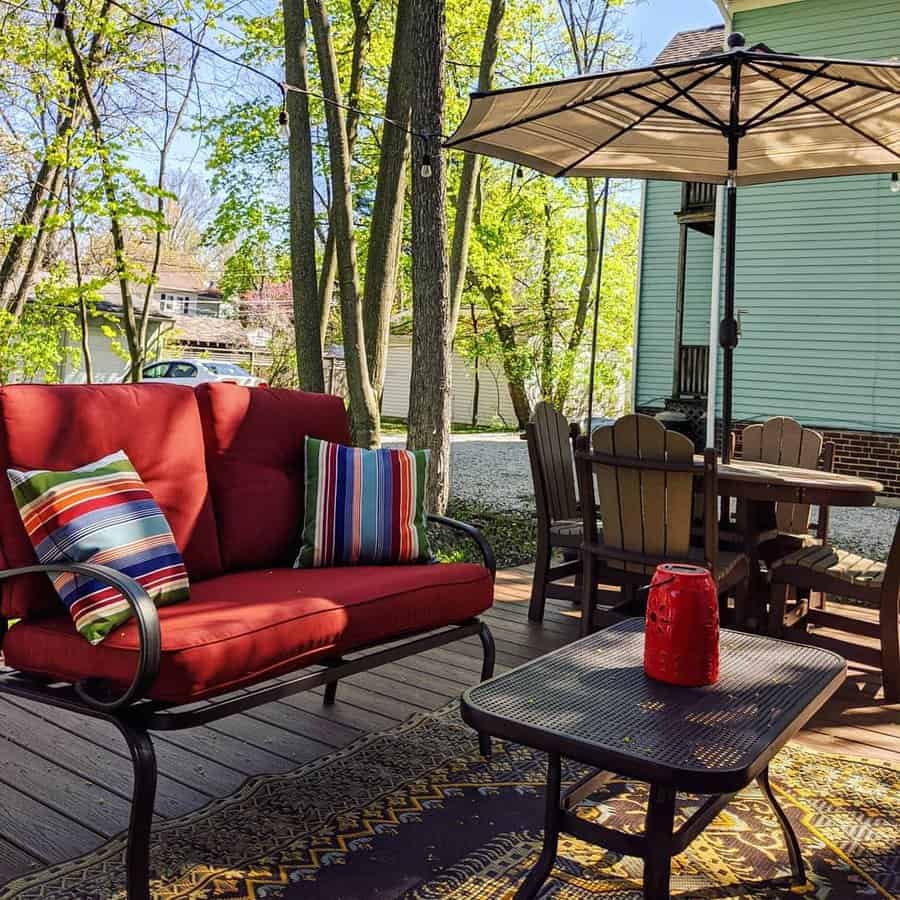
x=736, y=39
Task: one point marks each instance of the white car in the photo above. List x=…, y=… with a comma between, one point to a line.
x=197, y=371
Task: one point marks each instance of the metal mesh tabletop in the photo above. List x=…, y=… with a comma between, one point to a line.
x=591, y=700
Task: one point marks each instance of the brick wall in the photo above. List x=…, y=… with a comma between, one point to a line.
x=867, y=454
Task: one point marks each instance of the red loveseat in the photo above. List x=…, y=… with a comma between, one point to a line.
x=225, y=464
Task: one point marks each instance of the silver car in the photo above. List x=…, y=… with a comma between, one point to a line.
x=197, y=371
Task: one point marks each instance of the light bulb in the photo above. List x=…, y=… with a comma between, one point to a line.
x=895, y=183
x=284, y=127
x=58, y=31
x=426, y=170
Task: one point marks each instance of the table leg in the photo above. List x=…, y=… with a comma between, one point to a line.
x=542, y=868
x=790, y=838
x=658, y=830
x=755, y=518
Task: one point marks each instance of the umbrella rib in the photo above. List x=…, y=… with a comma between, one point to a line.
x=701, y=106
x=657, y=107
x=716, y=123
x=853, y=82
x=769, y=106
x=796, y=108
x=525, y=120
x=828, y=112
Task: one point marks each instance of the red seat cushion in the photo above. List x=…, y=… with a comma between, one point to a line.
x=65, y=426
x=254, y=446
x=245, y=627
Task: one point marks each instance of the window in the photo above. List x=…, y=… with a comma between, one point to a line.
x=224, y=368
x=183, y=370
x=156, y=371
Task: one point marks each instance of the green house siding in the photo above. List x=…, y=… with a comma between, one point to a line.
x=818, y=270
x=658, y=290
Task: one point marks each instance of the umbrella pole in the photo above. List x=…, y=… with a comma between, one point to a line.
x=728, y=337
x=600, y=251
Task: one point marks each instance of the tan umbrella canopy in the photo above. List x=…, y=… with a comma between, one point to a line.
x=744, y=116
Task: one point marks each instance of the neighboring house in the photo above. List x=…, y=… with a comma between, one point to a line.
x=188, y=294
x=109, y=366
x=491, y=406
x=818, y=269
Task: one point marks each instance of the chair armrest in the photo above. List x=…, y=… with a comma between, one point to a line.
x=144, y=611
x=471, y=532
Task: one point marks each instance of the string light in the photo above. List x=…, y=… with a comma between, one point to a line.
x=284, y=125
x=60, y=24
x=426, y=170
x=895, y=183
x=520, y=173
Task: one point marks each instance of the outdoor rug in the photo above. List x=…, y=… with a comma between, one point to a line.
x=416, y=813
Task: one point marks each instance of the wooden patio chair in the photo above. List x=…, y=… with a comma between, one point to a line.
x=829, y=570
x=646, y=477
x=550, y=452
x=785, y=442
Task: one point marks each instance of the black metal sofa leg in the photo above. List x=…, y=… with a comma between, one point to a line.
x=330, y=693
x=487, y=671
x=137, y=854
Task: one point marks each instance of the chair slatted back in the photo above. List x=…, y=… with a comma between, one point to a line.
x=645, y=511
x=785, y=442
x=552, y=462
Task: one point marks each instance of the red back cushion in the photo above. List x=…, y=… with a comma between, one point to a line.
x=254, y=456
x=65, y=426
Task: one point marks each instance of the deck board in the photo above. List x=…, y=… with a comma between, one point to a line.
x=65, y=781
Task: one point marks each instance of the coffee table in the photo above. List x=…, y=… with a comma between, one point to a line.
x=590, y=701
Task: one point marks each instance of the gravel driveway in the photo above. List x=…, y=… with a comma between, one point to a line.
x=493, y=469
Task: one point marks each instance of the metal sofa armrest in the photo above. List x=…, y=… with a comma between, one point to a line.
x=471, y=532
x=144, y=611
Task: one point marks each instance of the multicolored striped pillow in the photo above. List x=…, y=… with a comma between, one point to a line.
x=363, y=506
x=101, y=513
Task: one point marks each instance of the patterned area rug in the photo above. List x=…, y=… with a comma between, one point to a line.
x=416, y=813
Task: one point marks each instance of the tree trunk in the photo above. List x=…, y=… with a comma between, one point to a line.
x=307, y=317
x=363, y=407
x=586, y=295
x=107, y=176
x=362, y=38
x=548, y=318
x=476, y=389
x=465, y=202
x=386, y=229
x=50, y=207
x=429, y=390
x=10, y=268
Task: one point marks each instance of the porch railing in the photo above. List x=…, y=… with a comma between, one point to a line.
x=698, y=195
x=693, y=370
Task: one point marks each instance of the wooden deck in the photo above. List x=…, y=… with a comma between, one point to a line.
x=65, y=781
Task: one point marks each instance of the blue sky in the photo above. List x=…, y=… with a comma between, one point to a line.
x=653, y=22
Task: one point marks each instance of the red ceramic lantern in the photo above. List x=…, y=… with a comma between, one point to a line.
x=681, y=638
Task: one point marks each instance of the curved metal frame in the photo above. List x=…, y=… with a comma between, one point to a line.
x=144, y=611
x=470, y=531
x=135, y=715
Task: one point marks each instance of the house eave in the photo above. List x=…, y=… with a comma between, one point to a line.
x=729, y=7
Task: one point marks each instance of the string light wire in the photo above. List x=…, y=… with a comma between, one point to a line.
x=61, y=21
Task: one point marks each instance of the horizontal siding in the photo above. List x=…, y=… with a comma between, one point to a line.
x=656, y=313
x=818, y=265
x=494, y=404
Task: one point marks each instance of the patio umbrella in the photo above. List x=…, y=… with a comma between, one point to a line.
x=743, y=116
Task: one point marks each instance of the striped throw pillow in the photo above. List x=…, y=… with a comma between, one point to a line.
x=101, y=513
x=363, y=506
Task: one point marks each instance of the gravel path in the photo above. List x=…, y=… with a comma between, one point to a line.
x=493, y=469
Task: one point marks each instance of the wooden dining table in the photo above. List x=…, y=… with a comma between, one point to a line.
x=759, y=486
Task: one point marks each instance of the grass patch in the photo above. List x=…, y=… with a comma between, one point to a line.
x=511, y=533
x=391, y=425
